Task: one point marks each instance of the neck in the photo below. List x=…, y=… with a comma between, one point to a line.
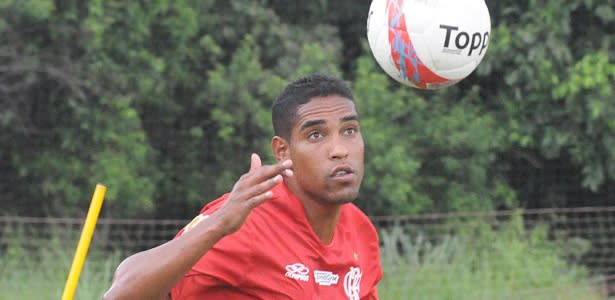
x=322, y=217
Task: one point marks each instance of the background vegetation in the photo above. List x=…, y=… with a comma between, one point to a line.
x=479, y=263
x=164, y=100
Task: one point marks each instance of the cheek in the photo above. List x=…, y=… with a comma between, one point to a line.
x=359, y=148
x=306, y=162
x=359, y=153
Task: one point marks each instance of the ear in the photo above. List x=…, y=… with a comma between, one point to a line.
x=280, y=148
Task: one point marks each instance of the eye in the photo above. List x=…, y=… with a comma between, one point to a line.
x=314, y=135
x=350, y=131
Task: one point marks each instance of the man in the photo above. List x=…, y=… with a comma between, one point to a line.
x=285, y=231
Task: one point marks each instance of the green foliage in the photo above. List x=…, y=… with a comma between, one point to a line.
x=555, y=99
x=64, y=129
x=587, y=96
x=41, y=273
x=477, y=263
x=480, y=262
x=426, y=152
x=202, y=85
x=164, y=101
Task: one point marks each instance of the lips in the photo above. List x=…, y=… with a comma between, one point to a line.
x=341, y=171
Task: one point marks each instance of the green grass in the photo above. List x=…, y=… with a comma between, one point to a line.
x=41, y=273
x=477, y=262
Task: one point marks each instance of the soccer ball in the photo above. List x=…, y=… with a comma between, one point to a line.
x=428, y=44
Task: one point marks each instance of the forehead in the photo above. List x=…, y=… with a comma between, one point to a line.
x=323, y=108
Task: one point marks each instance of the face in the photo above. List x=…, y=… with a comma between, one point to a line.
x=327, y=148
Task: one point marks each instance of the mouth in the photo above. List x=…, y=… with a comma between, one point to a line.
x=342, y=173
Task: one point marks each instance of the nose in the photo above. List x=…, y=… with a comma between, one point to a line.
x=338, y=150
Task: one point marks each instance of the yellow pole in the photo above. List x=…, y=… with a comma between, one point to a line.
x=84, y=242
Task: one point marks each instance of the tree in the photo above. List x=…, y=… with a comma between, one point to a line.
x=549, y=73
x=63, y=130
x=161, y=101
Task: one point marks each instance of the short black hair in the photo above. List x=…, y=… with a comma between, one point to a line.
x=300, y=92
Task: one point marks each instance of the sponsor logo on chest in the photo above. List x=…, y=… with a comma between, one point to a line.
x=325, y=278
x=298, y=271
x=351, y=284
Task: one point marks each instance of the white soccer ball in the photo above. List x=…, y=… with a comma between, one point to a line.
x=428, y=43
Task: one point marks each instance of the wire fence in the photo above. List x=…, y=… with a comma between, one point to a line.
x=592, y=228
x=588, y=232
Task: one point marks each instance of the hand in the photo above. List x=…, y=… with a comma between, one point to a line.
x=252, y=189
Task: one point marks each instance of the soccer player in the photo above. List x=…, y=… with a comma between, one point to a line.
x=285, y=231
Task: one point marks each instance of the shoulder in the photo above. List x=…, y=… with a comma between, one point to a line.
x=355, y=217
x=360, y=228
x=279, y=207
x=366, y=242
x=282, y=207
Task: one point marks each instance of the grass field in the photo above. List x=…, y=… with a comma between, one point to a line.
x=477, y=263
x=480, y=263
x=42, y=273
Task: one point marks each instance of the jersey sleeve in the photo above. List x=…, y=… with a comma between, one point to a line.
x=195, y=286
x=373, y=295
x=377, y=265
x=375, y=270
x=225, y=264
x=229, y=260
x=367, y=237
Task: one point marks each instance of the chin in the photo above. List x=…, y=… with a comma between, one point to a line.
x=336, y=202
x=342, y=198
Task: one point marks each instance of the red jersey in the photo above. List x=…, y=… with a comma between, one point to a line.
x=277, y=255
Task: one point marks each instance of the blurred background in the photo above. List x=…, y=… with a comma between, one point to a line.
x=500, y=187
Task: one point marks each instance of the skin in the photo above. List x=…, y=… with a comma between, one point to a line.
x=322, y=164
x=327, y=151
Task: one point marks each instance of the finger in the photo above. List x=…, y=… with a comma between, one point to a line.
x=261, y=187
x=259, y=199
x=255, y=162
x=268, y=171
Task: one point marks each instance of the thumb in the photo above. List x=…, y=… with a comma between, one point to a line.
x=255, y=162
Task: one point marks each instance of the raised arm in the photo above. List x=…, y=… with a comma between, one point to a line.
x=151, y=274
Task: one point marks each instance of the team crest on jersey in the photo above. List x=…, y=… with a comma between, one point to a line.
x=325, y=278
x=352, y=283
x=298, y=271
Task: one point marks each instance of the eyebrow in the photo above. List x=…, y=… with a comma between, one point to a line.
x=312, y=123
x=350, y=118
